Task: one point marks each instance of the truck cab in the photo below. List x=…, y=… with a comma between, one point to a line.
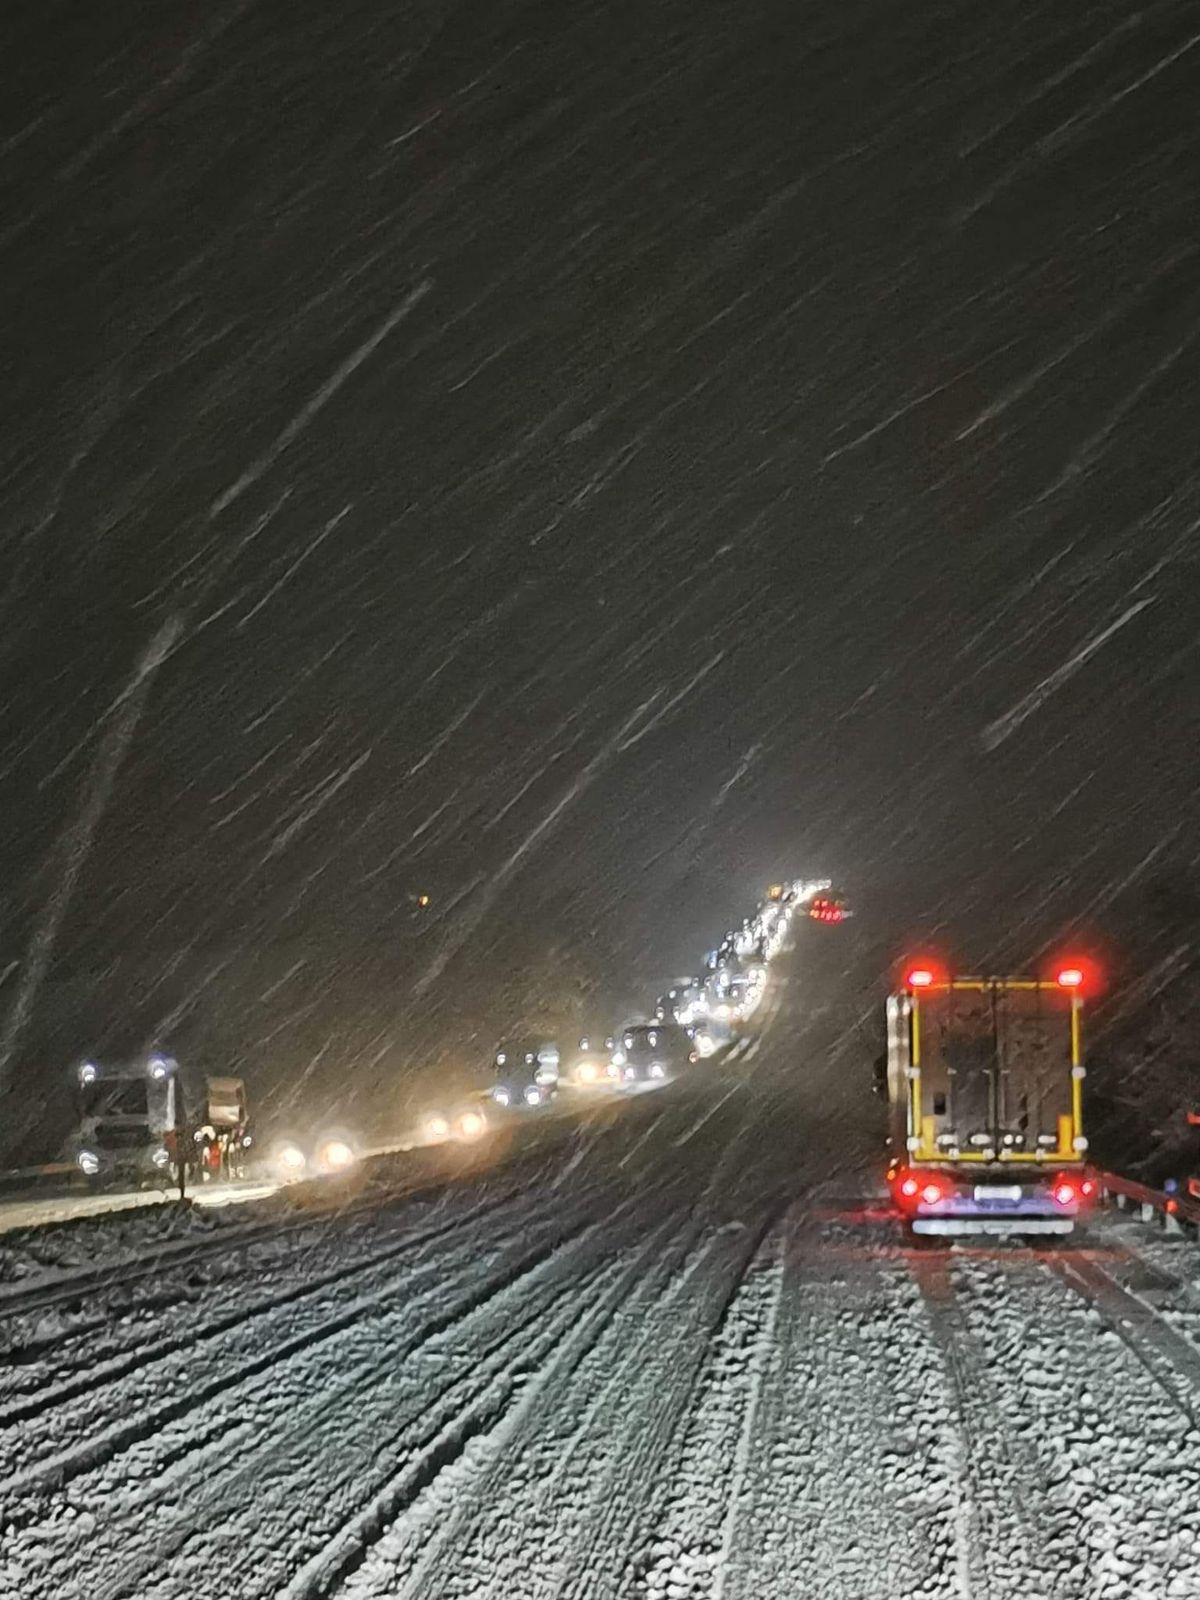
x=126, y=1132
x=984, y=1084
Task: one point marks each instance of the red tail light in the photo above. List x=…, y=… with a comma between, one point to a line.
x=1087, y=1188
x=920, y=978
x=1070, y=978
x=1066, y=1192
x=932, y=1193
x=909, y=1188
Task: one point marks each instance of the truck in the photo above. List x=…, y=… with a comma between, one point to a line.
x=984, y=1080
x=139, y=1119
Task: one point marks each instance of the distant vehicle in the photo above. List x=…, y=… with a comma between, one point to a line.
x=682, y=1003
x=139, y=1120
x=828, y=907
x=461, y=1122
x=589, y=1065
x=524, y=1074
x=330, y=1153
x=985, y=1080
x=709, y=1036
x=653, y=1052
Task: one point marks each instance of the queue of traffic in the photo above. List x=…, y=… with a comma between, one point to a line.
x=154, y=1122
x=694, y=1020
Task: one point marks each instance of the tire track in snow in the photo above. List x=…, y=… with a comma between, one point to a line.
x=1115, y=1461
x=411, y=1554
x=27, y=1405
x=835, y=1495
x=1170, y=1359
x=409, y=1407
x=990, y=1548
x=148, y=1425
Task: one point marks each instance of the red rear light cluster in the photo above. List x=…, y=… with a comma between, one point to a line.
x=825, y=911
x=1072, y=1191
x=913, y=1188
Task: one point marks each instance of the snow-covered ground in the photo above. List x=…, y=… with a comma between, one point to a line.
x=682, y=1355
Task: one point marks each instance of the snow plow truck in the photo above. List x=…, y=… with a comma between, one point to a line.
x=985, y=1093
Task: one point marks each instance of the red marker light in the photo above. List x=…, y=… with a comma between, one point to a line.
x=1087, y=1188
x=920, y=978
x=1069, y=978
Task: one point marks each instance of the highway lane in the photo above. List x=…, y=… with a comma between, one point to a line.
x=683, y=1352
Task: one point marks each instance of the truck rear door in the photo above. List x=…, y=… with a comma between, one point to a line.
x=995, y=1068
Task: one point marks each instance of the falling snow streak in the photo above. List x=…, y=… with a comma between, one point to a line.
x=76, y=843
x=998, y=731
x=318, y=401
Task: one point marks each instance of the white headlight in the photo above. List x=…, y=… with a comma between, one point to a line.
x=656, y=1071
x=533, y=1097
x=587, y=1071
x=89, y=1162
x=290, y=1160
x=501, y=1096
x=437, y=1128
x=87, y=1073
x=471, y=1124
x=335, y=1155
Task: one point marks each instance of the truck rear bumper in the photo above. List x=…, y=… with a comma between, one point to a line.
x=995, y=1225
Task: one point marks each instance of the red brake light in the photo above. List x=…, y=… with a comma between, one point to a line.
x=932, y=1193
x=909, y=1187
x=1065, y=1192
x=920, y=978
x=1069, y=978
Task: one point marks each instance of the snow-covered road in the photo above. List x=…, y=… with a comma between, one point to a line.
x=682, y=1354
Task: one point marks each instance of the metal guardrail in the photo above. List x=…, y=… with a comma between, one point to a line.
x=1177, y=1212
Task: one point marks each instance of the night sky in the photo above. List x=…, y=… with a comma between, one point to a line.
x=578, y=461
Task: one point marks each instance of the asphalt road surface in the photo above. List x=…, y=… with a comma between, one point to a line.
x=681, y=1353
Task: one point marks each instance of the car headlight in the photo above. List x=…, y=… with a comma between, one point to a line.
x=335, y=1155
x=437, y=1128
x=290, y=1160
x=656, y=1070
x=161, y=1156
x=588, y=1072
x=533, y=1096
x=89, y=1162
x=471, y=1124
x=501, y=1096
